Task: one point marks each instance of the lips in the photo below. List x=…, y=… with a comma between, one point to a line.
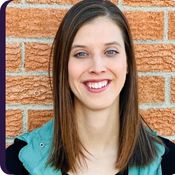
x=97, y=85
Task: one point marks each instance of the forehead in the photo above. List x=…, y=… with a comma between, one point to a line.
x=100, y=29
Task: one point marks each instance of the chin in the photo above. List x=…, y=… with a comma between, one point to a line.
x=99, y=105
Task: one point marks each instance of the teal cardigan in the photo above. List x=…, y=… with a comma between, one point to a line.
x=35, y=154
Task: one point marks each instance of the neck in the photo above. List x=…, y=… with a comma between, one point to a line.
x=98, y=130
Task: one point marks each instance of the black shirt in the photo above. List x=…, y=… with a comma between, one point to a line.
x=15, y=166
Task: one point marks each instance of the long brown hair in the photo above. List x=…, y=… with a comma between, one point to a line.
x=136, y=145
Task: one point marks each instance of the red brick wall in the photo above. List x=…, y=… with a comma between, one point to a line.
x=30, y=28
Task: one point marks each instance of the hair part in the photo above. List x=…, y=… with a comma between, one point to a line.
x=136, y=146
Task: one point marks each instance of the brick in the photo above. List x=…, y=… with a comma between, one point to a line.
x=28, y=90
x=13, y=57
x=114, y=1
x=37, y=56
x=33, y=22
x=149, y=2
x=146, y=25
x=16, y=1
x=57, y=1
x=171, y=32
x=13, y=123
x=161, y=120
x=53, y=1
x=156, y=57
x=151, y=89
x=173, y=90
x=37, y=118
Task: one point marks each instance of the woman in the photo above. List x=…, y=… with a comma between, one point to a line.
x=97, y=128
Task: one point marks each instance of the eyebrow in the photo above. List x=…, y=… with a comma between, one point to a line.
x=77, y=45
x=113, y=43
x=106, y=44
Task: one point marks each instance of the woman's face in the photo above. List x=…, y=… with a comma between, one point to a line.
x=97, y=64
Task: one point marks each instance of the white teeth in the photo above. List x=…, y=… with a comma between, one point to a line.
x=97, y=85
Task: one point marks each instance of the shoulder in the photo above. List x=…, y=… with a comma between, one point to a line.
x=168, y=158
x=25, y=148
x=13, y=164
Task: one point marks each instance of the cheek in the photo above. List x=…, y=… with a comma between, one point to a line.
x=71, y=72
x=123, y=68
x=75, y=74
x=123, y=64
x=75, y=71
x=119, y=68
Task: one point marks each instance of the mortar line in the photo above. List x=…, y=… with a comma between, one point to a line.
x=23, y=40
x=25, y=121
x=120, y=4
x=147, y=9
x=161, y=74
x=168, y=90
x=22, y=57
x=29, y=106
x=165, y=25
x=154, y=41
x=29, y=73
x=146, y=106
x=9, y=140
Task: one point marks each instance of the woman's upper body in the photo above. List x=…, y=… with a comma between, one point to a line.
x=30, y=152
x=95, y=93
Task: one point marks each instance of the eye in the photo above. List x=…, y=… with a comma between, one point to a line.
x=111, y=52
x=81, y=54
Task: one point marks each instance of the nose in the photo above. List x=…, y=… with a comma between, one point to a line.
x=98, y=65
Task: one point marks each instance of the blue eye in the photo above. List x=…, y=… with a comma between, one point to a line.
x=111, y=53
x=81, y=55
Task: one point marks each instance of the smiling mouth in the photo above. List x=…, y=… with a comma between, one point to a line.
x=97, y=86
